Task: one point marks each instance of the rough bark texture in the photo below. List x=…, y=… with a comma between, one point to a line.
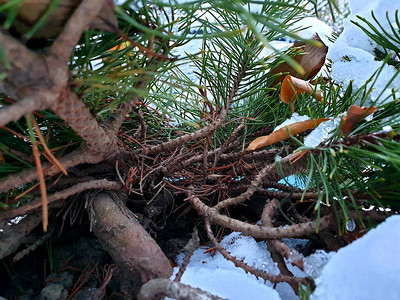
x=126, y=240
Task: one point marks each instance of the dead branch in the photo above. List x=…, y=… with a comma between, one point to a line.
x=70, y=160
x=276, y=247
x=160, y=288
x=269, y=172
x=226, y=144
x=190, y=247
x=256, y=231
x=294, y=281
x=64, y=45
x=80, y=187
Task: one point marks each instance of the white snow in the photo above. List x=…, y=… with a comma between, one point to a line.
x=366, y=269
x=218, y=276
x=293, y=119
x=307, y=27
x=353, y=56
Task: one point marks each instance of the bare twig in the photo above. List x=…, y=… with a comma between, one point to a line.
x=70, y=160
x=227, y=143
x=80, y=187
x=256, y=231
x=15, y=111
x=268, y=172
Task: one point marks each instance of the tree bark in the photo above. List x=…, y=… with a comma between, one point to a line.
x=130, y=246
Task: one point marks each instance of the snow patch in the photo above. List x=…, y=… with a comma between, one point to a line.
x=293, y=119
x=366, y=269
x=352, y=54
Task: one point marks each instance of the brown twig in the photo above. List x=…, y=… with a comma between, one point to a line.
x=268, y=172
x=256, y=231
x=80, y=187
x=15, y=111
x=70, y=160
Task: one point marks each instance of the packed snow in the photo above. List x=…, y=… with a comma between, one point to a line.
x=366, y=269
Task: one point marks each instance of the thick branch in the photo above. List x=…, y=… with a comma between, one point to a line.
x=26, y=71
x=98, y=142
x=131, y=247
x=64, y=45
x=80, y=187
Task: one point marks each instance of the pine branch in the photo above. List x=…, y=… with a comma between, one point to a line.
x=205, y=131
x=97, y=141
